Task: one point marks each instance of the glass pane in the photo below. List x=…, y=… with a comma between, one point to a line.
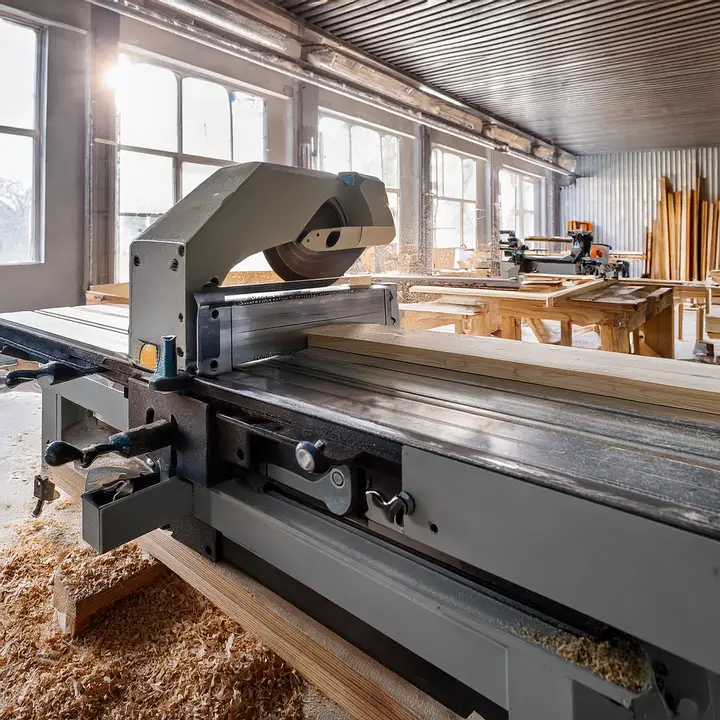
x=18, y=60
x=145, y=183
x=528, y=194
x=436, y=172
x=206, y=119
x=129, y=227
x=146, y=100
x=452, y=175
x=447, y=223
x=508, y=218
x=390, y=161
x=334, y=145
x=394, y=205
x=528, y=225
x=16, y=199
x=193, y=174
x=248, y=117
x=366, y=151
x=469, y=225
x=469, y=182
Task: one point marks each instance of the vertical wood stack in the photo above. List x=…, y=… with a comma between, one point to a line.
x=684, y=243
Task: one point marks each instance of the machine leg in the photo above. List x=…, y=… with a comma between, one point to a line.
x=614, y=339
x=58, y=413
x=660, y=333
x=510, y=327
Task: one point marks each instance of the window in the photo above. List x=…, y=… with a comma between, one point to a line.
x=346, y=146
x=454, y=186
x=19, y=144
x=174, y=132
x=520, y=203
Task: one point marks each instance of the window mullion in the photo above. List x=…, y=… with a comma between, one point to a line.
x=177, y=161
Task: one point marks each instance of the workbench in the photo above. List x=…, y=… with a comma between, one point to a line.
x=619, y=310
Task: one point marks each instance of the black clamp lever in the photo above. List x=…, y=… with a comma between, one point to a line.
x=60, y=372
x=138, y=441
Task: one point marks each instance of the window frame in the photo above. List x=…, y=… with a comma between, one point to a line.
x=37, y=133
x=481, y=165
x=539, y=212
x=179, y=157
x=382, y=130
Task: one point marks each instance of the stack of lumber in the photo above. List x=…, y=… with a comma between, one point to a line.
x=684, y=243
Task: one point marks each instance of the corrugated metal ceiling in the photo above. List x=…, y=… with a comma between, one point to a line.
x=590, y=75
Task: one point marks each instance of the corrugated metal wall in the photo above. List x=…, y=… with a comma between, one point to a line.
x=619, y=192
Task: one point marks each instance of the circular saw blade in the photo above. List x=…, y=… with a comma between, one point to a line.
x=292, y=261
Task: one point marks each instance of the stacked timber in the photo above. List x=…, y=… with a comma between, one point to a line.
x=684, y=243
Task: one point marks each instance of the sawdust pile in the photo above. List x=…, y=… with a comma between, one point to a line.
x=164, y=652
x=86, y=573
x=619, y=661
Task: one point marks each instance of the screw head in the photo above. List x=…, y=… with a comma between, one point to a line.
x=338, y=479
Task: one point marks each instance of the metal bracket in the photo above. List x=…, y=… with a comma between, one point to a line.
x=335, y=488
x=109, y=520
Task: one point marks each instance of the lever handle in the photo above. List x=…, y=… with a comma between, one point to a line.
x=137, y=441
x=58, y=371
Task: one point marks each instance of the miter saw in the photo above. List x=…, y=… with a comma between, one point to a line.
x=496, y=543
x=585, y=257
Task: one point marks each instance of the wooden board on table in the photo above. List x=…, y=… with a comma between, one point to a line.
x=114, y=293
x=360, y=685
x=669, y=383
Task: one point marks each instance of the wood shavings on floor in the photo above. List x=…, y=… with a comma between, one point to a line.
x=164, y=652
x=85, y=573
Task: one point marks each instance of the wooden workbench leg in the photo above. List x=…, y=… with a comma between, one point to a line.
x=659, y=333
x=510, y=327
x=476, y=325
x=566, y=335
x=636, y=341
x=614, y=339
x=680, y=309
x=538, y=327
x=700, y=323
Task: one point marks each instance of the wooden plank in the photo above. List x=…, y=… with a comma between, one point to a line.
x=672, y=245
x=566, y=333
x=659, y=331
x=510, y=328
x=635, y=341
x=356, y=682
x=614, y=339
x=117, y=293
x=74, y=611
x=443, y=258
x=478, y=292
x=664, y=230
x=567, y=293
x=668, y=383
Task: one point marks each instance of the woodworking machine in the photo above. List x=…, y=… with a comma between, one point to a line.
x=584, y=257
x=513, y=550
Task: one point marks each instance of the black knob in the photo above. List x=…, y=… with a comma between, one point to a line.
x=60, y=452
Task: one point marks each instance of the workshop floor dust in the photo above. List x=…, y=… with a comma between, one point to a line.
x=20, y=420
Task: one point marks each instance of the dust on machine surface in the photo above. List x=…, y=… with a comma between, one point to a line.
x=478, y=536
